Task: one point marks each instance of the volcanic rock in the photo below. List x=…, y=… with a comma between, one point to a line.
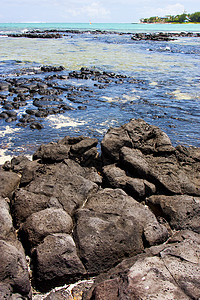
x=111, y=227
x=45, y=222
x=66, y=183
x=136, y=187
x=136, y=218
x=81, y=149
x=9, y=181
x=57, y=261
x=6, y=225
x=52, y=152
x=13, y=270
x=181, y=211
x=103, y=240
x=171, y=272
x=145, y=152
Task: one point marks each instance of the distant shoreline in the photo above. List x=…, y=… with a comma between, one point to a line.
x=183, y=18
x=172, y=23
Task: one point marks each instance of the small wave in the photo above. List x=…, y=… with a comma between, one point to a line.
x=4, y=157
x=8, y=130
x=64, y=121
x=181, y=96
x=24, y=30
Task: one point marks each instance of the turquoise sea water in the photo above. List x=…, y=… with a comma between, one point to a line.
x=165, y=91
x=121, y=27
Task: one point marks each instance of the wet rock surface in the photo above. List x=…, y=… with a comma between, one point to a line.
x=49, y=34
x=34, y=35
x=28, y=100
x=162, y=36
x=130, y=217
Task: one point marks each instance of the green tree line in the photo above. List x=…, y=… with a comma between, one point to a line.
x=194, y=18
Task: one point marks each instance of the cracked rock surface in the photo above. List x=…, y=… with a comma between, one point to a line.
x=129, y=217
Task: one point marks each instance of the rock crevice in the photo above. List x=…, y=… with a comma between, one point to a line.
x=130, y=216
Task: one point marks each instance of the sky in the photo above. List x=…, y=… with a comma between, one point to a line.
x=95, y=11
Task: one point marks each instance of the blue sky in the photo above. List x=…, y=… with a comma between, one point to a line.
x=91, y=10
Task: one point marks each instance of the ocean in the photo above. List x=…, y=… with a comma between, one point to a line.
x=164, y=89
x=120, y=27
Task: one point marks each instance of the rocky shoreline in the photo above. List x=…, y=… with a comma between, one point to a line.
x=162, y=36
x=55, y=34
x=48, y=95
x=123, y=224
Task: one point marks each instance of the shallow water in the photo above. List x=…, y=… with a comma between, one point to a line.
x=120, y=27
x=166, y=90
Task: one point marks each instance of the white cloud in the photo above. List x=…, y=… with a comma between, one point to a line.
x=173, y=9
x=92, y=11
x=96, y=10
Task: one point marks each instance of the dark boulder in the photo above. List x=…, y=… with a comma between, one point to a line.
x=66, y=183
x=8, y=106
x=36, y=35
x=11, y=113
x=30, y=171
x=57, y=262
x=104, y=240
x=4, y=85
x=158, y=36
x=9, y=181
x=52, y=152
x=135, y=134
x=52, y=69
x=145, y=152
x=85, y=151
x=26, y=168
x=113, y=226
x=136, y=187
x=164, y=171
x=31, y=111
x=113, y=141
x=36, y=125
x=181, y=211
x=26, y=203
x=19, y=163
x=117, y=202
x=13, y=270
x=83, y=146
x=81, y=149
x=7, y=231
x=43, y=223
x=167, y=272
x=6, y=225
x=3, y=115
